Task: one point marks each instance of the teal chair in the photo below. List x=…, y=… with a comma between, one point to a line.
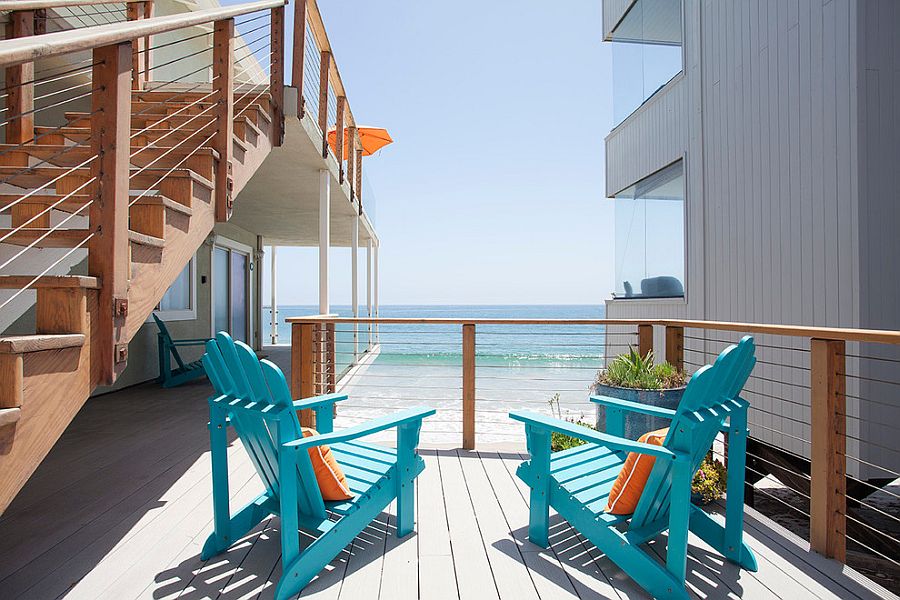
x=252, y=396
x=577, y=482
x=168, y=349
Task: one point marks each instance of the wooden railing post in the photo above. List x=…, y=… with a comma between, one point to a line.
x=359, y=178
x=19, y=84
x=223, y=83
x=675, y=346
x=299, y=52
x=828, y=485
x=339, y=137
x=645, y=339
x=108, y=256
x=324, y=70
x=276, y=74
x=351, y=158
x=303, y=383
x=139, y=73
x=468, y=385
x=330, y=367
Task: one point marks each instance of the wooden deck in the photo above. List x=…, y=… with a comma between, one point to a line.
x=122, y=506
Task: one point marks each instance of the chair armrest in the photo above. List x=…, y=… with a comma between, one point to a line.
x=363, y=429
x=590, y=435
x=190, y=342
x=318, y=401
x=645, y=409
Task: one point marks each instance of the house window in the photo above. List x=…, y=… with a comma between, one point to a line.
x=650, y=246
x=179, y=301
x=231, y=289
x=646, y=53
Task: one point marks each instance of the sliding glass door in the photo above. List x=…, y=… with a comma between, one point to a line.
x=231, y=292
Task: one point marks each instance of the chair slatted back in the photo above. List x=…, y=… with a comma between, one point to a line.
x=711, y=396
x=256, y=398
x=169, y=342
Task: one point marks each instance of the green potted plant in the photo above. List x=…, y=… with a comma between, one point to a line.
x=561, y=441
x=639, y=379
x=710, y=482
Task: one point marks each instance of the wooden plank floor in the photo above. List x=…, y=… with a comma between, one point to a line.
x=121, y=507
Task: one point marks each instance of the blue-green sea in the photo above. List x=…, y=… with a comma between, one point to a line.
x=517, y=366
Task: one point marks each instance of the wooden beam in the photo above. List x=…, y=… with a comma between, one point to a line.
x=223, y=73
x=276, y=75
x=675, y=346
x=645, y=339
x=330, y=372
x=358, y=171
x=299, y=49
x=828, y=442
x=19, y=84
x=108, y=248
x=468, y=379
x=339, y=137
x=324, y=69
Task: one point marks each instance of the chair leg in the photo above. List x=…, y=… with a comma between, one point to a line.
x=734, y=502
x=407, y=440
x=539, y=500
x=218, y=441
x=679, y=517
x=711, y=530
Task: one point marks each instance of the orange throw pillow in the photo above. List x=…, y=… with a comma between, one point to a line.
x=629, y=485
x=329, y=475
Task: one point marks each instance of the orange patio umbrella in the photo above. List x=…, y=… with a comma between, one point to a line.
x=373, y=139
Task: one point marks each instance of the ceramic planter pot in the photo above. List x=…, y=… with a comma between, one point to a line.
x=636, y=424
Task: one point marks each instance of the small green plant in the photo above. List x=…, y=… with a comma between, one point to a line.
x=561, y=441
x=632, y=370
x=710, y=480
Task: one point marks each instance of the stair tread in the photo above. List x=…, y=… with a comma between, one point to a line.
x=145, y=240
x=18, y=344
x=8, y=416
x=57, y=238
x=63, y=155
x=19, y=175
x=77, y=201
x=17, y=282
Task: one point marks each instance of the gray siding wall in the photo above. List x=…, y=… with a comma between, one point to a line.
x=787, y=119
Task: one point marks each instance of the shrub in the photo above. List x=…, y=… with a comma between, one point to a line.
x=632, y=370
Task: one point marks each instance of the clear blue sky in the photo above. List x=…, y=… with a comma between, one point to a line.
x=493, y=192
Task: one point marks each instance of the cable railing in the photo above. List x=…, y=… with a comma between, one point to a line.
x=322, y=98
x=823, y=456
x=108, y=125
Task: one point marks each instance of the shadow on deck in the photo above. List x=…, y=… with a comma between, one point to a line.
x=121, y=507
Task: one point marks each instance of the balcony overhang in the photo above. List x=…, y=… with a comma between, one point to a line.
x=281, y=201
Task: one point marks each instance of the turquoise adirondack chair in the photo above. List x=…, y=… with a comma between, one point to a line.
x=168, y=348
x=253, y=397
x=577, y=482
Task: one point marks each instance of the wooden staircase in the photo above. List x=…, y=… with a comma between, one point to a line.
x=173, y=189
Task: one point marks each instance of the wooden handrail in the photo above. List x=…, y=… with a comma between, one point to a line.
x=22, y=50
x=44, y=4
x=882, y=336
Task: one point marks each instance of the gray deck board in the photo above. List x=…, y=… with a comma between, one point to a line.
x=121, y=511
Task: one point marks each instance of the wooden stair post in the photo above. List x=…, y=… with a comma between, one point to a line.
x=20, y=86
x=140, y=57
x=223, y=83
x=108, y=253
x=828, y=442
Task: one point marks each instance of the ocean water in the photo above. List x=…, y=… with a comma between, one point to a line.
x=543, y=368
